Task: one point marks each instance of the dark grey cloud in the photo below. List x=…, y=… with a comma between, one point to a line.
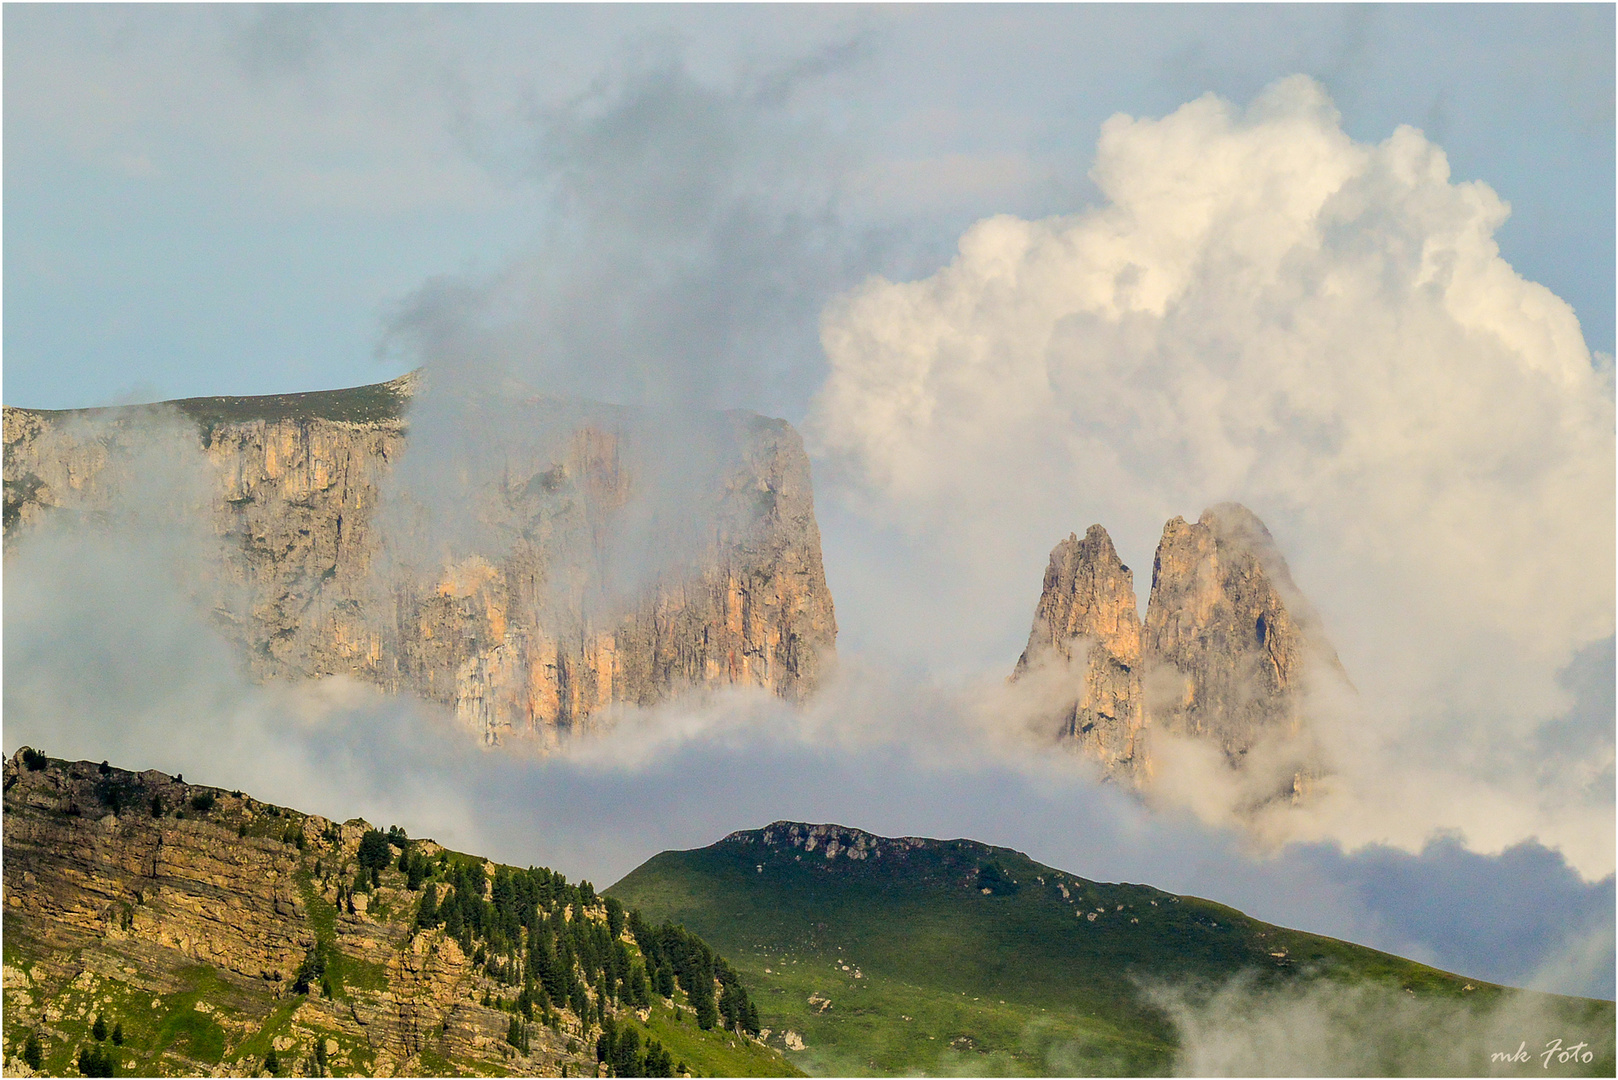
x=692, y=236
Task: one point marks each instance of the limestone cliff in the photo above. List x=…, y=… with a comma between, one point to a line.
x=1086, y=622
x=1226, y=652
x=214, y=929
x=525, y=626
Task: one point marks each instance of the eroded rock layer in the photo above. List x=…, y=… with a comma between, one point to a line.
x=211, y=933
x=529, y=616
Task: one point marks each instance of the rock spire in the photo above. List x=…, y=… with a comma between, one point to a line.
x=1086, y=621
x=1225, y=654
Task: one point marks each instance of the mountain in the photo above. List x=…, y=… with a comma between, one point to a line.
x=877, y=956
x=202, y=931
x=1229, y=651
x=1088, y=606
x=547, y=559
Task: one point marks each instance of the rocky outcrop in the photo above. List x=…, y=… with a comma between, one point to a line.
x=213, y=928
x=1228, y=653
x=527, y=621
x=173, y=907
x=1086, y=623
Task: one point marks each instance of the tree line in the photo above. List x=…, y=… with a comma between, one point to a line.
x=559, y=946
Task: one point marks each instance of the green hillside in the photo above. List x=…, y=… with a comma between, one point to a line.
x=159, y=928
x=882, y=956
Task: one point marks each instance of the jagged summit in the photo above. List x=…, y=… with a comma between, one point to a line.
x=1227, y=618
x=1086, y=617
x=1224, y=654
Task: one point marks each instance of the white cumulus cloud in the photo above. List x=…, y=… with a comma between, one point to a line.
x=1263, y=309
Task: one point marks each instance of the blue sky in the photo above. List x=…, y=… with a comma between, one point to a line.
x=238, y=200
x=669, y=204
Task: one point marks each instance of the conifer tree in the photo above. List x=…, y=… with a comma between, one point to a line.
x=626, y=1058
x=33, y=1054
x=427, y=908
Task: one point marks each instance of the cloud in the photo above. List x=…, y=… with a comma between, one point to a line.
x=109, y=655
x=112, y=652
x=1368, y=1029
x=1265, y=310
x=692, y=236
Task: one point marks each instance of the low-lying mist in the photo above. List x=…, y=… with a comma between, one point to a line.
x=109, y=656
x=1371, y=1029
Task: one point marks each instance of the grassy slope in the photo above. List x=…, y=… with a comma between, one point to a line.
x=369, y=404
x=205, y=1021
x=925, y=972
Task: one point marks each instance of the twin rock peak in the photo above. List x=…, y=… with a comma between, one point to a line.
x=1230, y=653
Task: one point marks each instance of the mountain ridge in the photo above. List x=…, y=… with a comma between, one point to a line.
x=892, y=955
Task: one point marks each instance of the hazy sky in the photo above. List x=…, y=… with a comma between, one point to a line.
x=793, y=210
x=238, y=199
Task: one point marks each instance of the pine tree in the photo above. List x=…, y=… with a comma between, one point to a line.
x=98, y=1030
x=640, y=994
x=580, y=1003
x=659, y=1062
x=32, y=1053
x=118, y=1033
x=272, y=1063
x=427, y=909
x=375, y=852
x=626, y=1058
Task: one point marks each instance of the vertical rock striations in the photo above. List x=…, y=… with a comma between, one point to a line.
x=1228, y=653
x=531, y=618
x=1086, y=622
x=1228, y=632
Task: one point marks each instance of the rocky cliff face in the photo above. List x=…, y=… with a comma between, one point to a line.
x=125, y=898
x=1226, y=619
x=1086, y=622
x=523, y=626
x=1225, y=654
x=214, y=929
